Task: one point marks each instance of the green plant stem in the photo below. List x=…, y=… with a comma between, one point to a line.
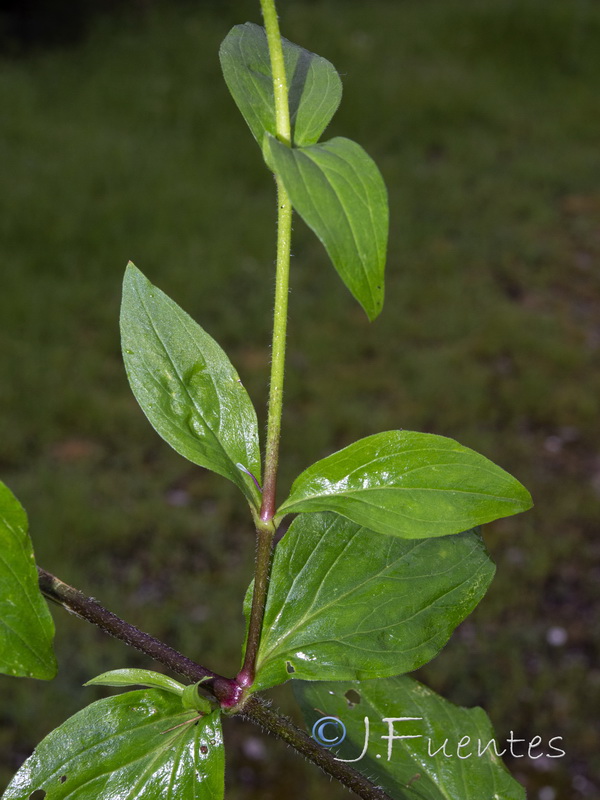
x=224, y=689
x=282, y=281
x=265, y=527
x=284, y=240
x=262, y=569
x=280, y=87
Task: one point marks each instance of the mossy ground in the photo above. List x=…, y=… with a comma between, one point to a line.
x=481, y=117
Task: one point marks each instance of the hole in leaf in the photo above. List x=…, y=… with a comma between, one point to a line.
x=39, y=794
x=289, y=666
x=352, y=698
x=63, y=778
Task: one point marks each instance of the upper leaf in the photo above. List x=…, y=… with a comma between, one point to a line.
x=314, y=87
x=408, y=770
x=339, y=192
x=186, y=385
x=345, y=602
x=408, y=484
x=26, y=626
x=133, y=745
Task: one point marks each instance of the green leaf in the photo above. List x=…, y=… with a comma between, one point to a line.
x=191, y=698
x=133, y=745
x=413, y=485
x=138, y=677
x=409, y=771
x=314, y=87
x=26, y=626
x=347, y=603
x=340, y=194
x=187, y=387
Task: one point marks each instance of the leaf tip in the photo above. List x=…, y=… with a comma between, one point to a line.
x=373, y=313
x=131, y=271
x=375, y=307
x=525, y=499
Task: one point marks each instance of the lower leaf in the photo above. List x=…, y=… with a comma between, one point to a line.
x=408, y=739
x=348, y=603
x=140, y=745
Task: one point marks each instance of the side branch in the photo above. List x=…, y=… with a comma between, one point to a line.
x=87, y=608
x=258, y=712
x=255, y=710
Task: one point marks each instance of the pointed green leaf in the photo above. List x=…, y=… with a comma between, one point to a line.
x=413, y=485
x=339, y=192
x=345, y=602
x=187, y=387
x=138, y=677
x=411, y=768
x=133, y=745
x=26, y=626
x=314, y=87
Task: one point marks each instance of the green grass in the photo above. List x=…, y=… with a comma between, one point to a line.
x=481, y=116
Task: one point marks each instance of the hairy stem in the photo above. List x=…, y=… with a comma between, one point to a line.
x=284, y=237
x=224, y=689
x=258, y=712
x=262, y=569
x=280, y=87
x=265, y=527
x=282, y=280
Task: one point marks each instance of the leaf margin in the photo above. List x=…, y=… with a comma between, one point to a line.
x=40, y=661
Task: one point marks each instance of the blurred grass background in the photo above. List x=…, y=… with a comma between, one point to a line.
x=483, y=116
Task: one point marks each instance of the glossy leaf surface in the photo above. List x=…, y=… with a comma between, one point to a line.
x=138, y=677
x=406, y=768
x=26, y=626
x=340, y=194
x=186, y=385
x=348, y=603
x=128, y=746
x=315, y=88
x=413, y=485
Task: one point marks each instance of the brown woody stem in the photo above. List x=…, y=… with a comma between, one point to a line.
x=226, y=690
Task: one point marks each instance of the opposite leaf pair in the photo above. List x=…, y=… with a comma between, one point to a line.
x=400, y=483
x=334, y=186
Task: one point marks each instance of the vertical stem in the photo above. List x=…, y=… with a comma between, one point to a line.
x=265, y=526
x=284, y=235
x=262, y=569
x=280, y=87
